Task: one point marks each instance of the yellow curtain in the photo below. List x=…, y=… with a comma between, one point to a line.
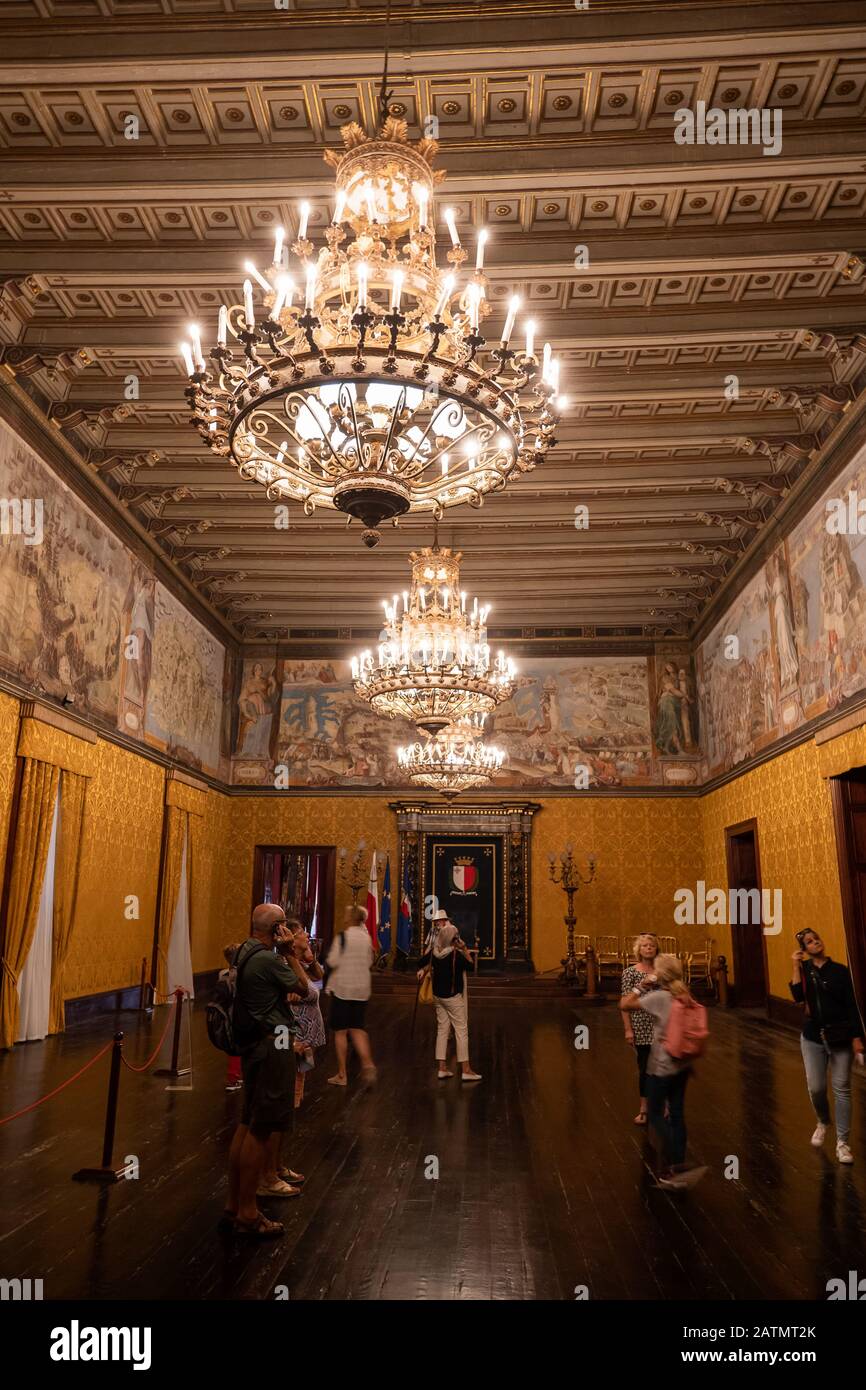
x=73, y=790
x=32, y=836
x=176, y=834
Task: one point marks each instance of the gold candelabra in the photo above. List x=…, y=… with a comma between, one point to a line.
x=356, y=874
x=570, y=880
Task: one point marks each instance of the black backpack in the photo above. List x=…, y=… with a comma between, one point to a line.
x=220, y=1009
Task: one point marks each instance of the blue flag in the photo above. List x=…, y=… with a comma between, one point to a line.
x=404, y=920
x=385, y=911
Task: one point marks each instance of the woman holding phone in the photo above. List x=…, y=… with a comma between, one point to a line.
x=832, y=1036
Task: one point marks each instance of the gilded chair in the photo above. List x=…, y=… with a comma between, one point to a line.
x=608, y=955
x=668, y=945
x=698, y=965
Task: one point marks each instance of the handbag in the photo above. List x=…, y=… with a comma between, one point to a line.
x=425, y=989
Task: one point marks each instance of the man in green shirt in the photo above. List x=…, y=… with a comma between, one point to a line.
x=265, y=1030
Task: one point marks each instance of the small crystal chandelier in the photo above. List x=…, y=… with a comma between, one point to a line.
x=454, y=761
x=366, y=384
x=433, y=665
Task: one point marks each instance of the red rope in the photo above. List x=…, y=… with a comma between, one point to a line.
x=101, y=1053
x=87, y=1065
x=155, y=1052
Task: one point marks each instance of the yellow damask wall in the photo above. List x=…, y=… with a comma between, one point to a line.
x=121, y=853
x=120, y=857
x=269, y=820
x=797, y=847
x=645, y=847
x=211, y=873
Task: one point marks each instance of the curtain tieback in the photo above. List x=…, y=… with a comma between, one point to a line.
x=7, y=970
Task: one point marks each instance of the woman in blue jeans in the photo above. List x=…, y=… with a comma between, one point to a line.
x=666, y=1076
x=832, y=1035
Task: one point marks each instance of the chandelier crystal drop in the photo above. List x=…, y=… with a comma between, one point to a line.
x=433, y=665
x=365, y=383
x=455, y=760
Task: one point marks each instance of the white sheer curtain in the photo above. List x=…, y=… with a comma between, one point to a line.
x=34, y=982
x=179, y=958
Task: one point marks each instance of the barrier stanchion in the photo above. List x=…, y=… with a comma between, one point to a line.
x=143, y=985
x=173, y=1069
x=106, y=1173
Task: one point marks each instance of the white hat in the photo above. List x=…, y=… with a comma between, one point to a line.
x=440, y=915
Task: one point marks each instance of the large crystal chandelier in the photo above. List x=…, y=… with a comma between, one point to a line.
x=454, y=760
x=365, y=382
x=433, y=664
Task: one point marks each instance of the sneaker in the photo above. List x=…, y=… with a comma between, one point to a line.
x=470, y=1076
x=818, y=1137
x=444, y=1075
x=234, y=1085
x=843, y=1152
x=680, y=1179
x=337, y=1081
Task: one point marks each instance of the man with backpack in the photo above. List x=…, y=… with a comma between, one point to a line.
x=263, y=1028
x=679, y=1037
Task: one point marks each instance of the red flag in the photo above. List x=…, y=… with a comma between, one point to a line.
x=373, y=902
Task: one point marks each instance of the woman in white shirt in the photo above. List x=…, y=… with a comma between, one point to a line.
x=350, y=960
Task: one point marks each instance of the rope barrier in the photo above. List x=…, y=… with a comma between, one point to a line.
x=95, y=1058
x=152, y=1058
x=101, y=1053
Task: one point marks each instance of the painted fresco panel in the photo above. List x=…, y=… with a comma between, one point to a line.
x=184, y=701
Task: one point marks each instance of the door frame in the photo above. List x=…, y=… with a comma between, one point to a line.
x=328, y=906
x=855, y=948
x=731, y=831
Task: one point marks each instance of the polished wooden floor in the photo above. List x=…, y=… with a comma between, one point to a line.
x=543, y=1181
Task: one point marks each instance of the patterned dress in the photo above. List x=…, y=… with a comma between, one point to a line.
x=641, y=1022
x=308, y=1018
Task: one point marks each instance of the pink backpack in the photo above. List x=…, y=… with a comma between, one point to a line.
x=687, y=1031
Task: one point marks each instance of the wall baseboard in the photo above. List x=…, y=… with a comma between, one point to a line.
x=114, y=1001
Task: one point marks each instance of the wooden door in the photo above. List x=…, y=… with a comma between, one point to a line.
x=747, y=938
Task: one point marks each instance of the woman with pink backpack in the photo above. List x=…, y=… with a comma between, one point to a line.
x=680, y=1036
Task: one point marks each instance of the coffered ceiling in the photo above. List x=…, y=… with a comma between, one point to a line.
x=556, y=125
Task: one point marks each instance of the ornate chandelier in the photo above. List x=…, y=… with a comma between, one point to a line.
x=366, y=384
x=454, y=761
x=433, y=665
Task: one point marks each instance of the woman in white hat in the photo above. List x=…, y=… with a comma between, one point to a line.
x=449, y=961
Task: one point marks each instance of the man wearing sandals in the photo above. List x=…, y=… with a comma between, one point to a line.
x=267, y=973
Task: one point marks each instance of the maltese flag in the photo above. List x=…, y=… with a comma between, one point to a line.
x=373, y=901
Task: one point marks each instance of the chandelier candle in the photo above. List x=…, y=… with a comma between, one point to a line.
x=381, y=393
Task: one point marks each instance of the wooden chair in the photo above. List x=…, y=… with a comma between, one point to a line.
x=608, y=955
x=668, y=945
x=698, y=965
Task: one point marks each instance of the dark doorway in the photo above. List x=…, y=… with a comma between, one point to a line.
x=849, y=812
x=301, y=879
x=749, y=947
